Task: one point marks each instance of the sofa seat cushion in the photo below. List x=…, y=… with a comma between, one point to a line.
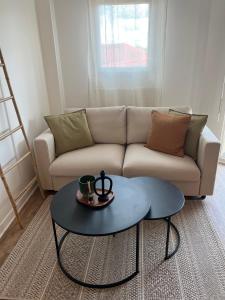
x=89, y=160
x=141, y=161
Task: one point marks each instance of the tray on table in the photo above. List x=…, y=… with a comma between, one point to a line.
x=94, y=202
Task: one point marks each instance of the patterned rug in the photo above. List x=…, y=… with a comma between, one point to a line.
x=197, y=271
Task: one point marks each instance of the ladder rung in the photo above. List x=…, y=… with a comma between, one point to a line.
x=27, y=187
x=8, y=133
x=5, y=99
x=7, y=169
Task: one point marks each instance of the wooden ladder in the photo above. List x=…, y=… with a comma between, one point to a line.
x=4, y=171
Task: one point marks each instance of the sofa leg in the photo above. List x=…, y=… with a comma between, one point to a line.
x=195, y=197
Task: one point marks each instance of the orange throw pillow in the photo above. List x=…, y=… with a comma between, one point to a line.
x=168, y=133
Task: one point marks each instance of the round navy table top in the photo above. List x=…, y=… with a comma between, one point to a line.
x=166, y=199
x=130, y=205
x=133, y=199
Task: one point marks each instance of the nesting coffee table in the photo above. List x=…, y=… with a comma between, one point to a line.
x=135, y=199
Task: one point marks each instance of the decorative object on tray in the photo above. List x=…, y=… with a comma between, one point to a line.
x=103, y=196
x=86, y=184
x=92, y=196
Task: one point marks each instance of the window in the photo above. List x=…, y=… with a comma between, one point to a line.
x=123, y=36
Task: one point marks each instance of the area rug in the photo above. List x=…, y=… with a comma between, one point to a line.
x=197, y=271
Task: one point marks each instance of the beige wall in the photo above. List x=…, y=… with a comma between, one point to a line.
x=19, y=41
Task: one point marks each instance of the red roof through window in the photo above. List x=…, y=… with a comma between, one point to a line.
x=123, y=55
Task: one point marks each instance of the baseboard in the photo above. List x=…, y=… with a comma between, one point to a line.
x=10, y=217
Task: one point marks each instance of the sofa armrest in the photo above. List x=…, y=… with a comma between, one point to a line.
x=44, y=150
x=208, y=154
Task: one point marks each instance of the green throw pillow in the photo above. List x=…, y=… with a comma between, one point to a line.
x=193, y=134
x=70, y=131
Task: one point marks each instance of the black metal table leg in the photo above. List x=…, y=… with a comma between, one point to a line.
x=55, y=238
x=167, y=237
x=169, y=225
x=59, y=244
x=137, y=248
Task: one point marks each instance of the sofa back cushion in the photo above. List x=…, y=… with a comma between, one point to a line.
x=70, y=131
x=107, y=124
x=168, y=133
x=139, y=121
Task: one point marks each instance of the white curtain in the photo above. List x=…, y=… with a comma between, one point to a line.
x=126, y=51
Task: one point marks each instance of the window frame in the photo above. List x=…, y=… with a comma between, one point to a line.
x=120, y=70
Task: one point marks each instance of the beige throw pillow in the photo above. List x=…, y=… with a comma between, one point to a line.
x=168, y=133
x=195, y=128
x=70, y=131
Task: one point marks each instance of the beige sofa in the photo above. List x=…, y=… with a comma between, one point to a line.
x=120, y=134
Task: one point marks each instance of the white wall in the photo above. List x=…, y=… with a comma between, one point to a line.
x=51, y=56
x=19, y=41
x=71, y=22
x=194, y=57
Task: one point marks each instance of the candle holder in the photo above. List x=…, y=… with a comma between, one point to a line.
x=102, y=193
